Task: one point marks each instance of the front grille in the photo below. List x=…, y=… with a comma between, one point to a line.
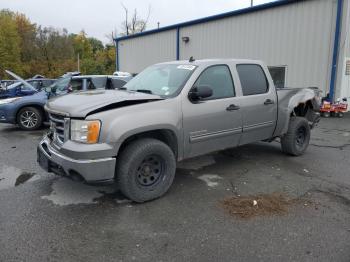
x=59, y=125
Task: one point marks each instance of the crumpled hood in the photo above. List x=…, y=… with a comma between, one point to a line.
x=80, y=104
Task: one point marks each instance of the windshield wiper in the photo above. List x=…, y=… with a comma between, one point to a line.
x=143, y=91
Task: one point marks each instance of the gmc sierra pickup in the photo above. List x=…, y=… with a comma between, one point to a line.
x=170, y=112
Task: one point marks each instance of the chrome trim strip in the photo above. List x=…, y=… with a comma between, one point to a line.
x=66, y=131
x=55, y=112
x=212, y=135
x=56, y=154
x=257, y=126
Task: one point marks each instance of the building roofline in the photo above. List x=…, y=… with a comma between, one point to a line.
x=212, y=18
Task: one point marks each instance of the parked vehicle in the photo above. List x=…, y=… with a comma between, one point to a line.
x=18, y=88
x=168, y=113
x=334, y=109
x=122, y=74
x=5, y=83
x=28, y=110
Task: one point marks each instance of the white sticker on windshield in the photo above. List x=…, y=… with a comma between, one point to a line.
x=187, y=67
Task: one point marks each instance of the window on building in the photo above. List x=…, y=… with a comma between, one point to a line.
x=278, y=74
x=253, y=79
x=219, y=79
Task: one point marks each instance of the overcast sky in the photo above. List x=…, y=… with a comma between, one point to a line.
x=100, y=17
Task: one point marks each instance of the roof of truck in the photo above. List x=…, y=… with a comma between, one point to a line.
x=213, y=61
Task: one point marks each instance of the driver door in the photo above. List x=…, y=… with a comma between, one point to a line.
x=214, y=123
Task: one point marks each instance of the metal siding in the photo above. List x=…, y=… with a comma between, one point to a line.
x=343, y=80
x=137, y=53
x=299, y=35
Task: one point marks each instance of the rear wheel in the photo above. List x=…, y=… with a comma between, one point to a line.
x=296, y=140
x=29, y=118
x=145, y=169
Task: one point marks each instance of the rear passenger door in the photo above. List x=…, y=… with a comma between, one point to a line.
x=259, y=104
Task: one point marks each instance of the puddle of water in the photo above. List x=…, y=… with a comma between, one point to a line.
x=67, y=192
x=8, y=176
x=197, y=163
x=24, y=177
x=11, y=176
x=210, y=179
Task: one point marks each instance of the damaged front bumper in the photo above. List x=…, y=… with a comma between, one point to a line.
x=100, y=170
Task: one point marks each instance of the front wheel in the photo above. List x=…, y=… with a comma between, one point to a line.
x=297, y=138
x=145, y=170
x=29, y=118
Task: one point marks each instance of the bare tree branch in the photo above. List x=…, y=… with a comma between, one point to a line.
x=137, y=24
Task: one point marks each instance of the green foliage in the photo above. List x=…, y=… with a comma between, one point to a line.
x=10, y=52
x=29, y=49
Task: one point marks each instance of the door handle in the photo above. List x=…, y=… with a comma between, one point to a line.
x=232, y=107
x=268, y=102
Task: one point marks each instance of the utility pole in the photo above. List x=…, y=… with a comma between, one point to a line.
x=158, y=24
x=251, y=3
x=78, y=62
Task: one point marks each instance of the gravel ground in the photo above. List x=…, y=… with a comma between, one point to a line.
x=47, y=218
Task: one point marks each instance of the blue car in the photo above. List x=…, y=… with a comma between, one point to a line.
x=18, y=88
x=27, y=111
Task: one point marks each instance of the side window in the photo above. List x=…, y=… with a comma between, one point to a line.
x=278, y=74
x=219, y=79
x=253, y=79
x=76, y=84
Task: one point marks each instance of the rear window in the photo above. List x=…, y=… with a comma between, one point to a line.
x=253, y=79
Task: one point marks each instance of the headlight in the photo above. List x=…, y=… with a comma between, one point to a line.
x=85, y=131
x=9, y=100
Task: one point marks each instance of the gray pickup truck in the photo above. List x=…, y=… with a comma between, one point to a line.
x=170, y=112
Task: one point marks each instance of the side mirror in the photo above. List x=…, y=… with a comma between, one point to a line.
x=199, y=92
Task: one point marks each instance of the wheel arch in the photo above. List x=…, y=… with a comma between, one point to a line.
x=35, y=105
x=166, y=135
x=304, y=103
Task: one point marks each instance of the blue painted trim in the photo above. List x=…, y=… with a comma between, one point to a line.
x=335, y=50
x=178, y=43
x=116, y=54
x=213, y=18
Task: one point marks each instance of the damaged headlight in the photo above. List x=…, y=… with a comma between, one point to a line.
x=85, y=131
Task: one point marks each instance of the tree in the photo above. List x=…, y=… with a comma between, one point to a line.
x=54, y=47
x=95, y=44
x=29, y=49
x=9, y=44
x=27, y=33
x=136, y=24
x=82, y=45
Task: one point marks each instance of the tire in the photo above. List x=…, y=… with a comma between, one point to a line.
x=296, y=140
x=340, y=114
x=326, y=114
x=29, y=118
x=145, y=170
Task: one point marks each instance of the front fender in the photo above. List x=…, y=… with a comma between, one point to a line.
x=122, y=123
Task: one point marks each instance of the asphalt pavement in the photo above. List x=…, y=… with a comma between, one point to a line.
x=48, y=218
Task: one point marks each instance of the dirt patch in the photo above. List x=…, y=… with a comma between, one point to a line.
x=260, y=205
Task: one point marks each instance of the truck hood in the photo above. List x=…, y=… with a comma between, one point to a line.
x=81, y=104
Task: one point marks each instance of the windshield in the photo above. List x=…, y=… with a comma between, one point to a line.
x=19, y=84
x=61, y=85
x=164, y=80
